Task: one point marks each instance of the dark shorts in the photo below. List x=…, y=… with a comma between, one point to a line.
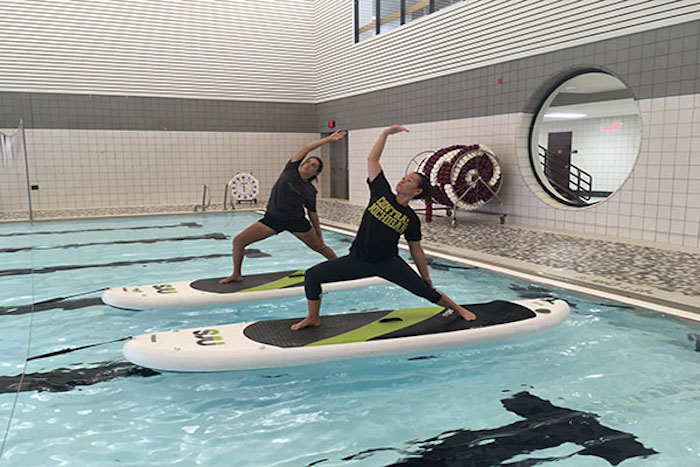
x=292, y=225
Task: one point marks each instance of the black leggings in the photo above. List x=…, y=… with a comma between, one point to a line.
x=352, y=267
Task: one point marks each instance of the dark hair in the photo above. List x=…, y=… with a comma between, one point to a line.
x=424, y=184
x=320, y=167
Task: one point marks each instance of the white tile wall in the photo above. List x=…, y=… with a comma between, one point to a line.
x=659, y=202
x=96, y=168
x=13, y=184
x=99, y=168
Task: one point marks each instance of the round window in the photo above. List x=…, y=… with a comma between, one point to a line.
x=585, y=138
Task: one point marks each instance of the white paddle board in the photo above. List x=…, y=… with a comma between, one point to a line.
x=271, y=344
x=207, y=292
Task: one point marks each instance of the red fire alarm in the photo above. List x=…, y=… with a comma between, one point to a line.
x=331, y=123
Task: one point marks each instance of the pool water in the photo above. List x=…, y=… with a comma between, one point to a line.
x=611, y=385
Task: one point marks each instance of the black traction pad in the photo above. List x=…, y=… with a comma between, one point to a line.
x=487, y=314
x=278, y=332
x=212, y=285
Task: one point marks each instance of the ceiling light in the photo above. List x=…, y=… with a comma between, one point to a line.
x=565, y=115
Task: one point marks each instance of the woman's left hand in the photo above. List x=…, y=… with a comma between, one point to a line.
x=338, y=135
x=392, y=130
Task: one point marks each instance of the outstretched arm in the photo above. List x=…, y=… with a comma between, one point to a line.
x=373, y=167
x=301, y=153
x=418, y=256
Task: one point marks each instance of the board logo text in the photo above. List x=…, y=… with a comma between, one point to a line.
x=164, y=288
x=208, y=337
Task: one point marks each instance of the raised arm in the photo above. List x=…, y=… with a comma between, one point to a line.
x=373, y=166
x=301, y=153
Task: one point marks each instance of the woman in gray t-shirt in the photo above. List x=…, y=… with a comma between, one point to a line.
x=291, y=195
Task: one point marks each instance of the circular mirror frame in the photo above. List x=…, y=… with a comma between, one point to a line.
x=535, y=106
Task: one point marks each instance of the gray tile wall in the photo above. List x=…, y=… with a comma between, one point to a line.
x=658, y=63
x=68, y=111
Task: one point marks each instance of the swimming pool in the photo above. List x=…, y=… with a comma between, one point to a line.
x=611, y=384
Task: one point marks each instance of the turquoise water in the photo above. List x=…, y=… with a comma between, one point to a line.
x=612, y=384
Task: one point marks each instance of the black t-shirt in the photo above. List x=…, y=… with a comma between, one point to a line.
x=383, y=222
x=290, y=194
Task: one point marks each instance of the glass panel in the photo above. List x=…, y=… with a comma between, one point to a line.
x=585, y=139
x=416, y=9
x=366, y=18
x=440, y=4
x=391, y=14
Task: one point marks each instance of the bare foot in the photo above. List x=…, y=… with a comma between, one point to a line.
x=466, y=314
x=305, y=323
x=231, y=278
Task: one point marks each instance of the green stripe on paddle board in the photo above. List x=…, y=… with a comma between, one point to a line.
x=295, y=278
x=408, y=317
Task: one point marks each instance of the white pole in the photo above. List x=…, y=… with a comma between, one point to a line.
x=26, y=169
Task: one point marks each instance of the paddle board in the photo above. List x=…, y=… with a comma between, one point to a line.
x=271, y=344
x=207, y=292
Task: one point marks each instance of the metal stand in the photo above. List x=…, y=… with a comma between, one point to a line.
x=416, y=161
x=251, y=201
x=502, y=215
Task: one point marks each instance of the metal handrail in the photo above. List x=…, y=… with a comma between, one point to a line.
x=581, y=180
x=206, y=200
x=227, y=189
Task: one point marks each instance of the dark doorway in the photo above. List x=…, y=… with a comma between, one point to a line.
x=339, y=168
x=558, y=164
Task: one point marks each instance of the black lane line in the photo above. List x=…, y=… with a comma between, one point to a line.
x=545, y=426
x=446, y=267
x=67, y=267
x=694, y=337
x=254, y=253
x=212, y=236
x=51, y=305
x=67, y=379
x=46, y=270
x=73, y=349
x=531, y=291
x=55, y=232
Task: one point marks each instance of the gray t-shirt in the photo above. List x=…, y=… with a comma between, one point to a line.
x=291, y=194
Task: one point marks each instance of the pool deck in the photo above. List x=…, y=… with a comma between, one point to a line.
x=661, y=275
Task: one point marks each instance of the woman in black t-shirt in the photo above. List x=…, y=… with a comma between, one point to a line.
x=291, y=194
x=375, y=249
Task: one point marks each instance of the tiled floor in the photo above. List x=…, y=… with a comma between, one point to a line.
x=659, y=274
